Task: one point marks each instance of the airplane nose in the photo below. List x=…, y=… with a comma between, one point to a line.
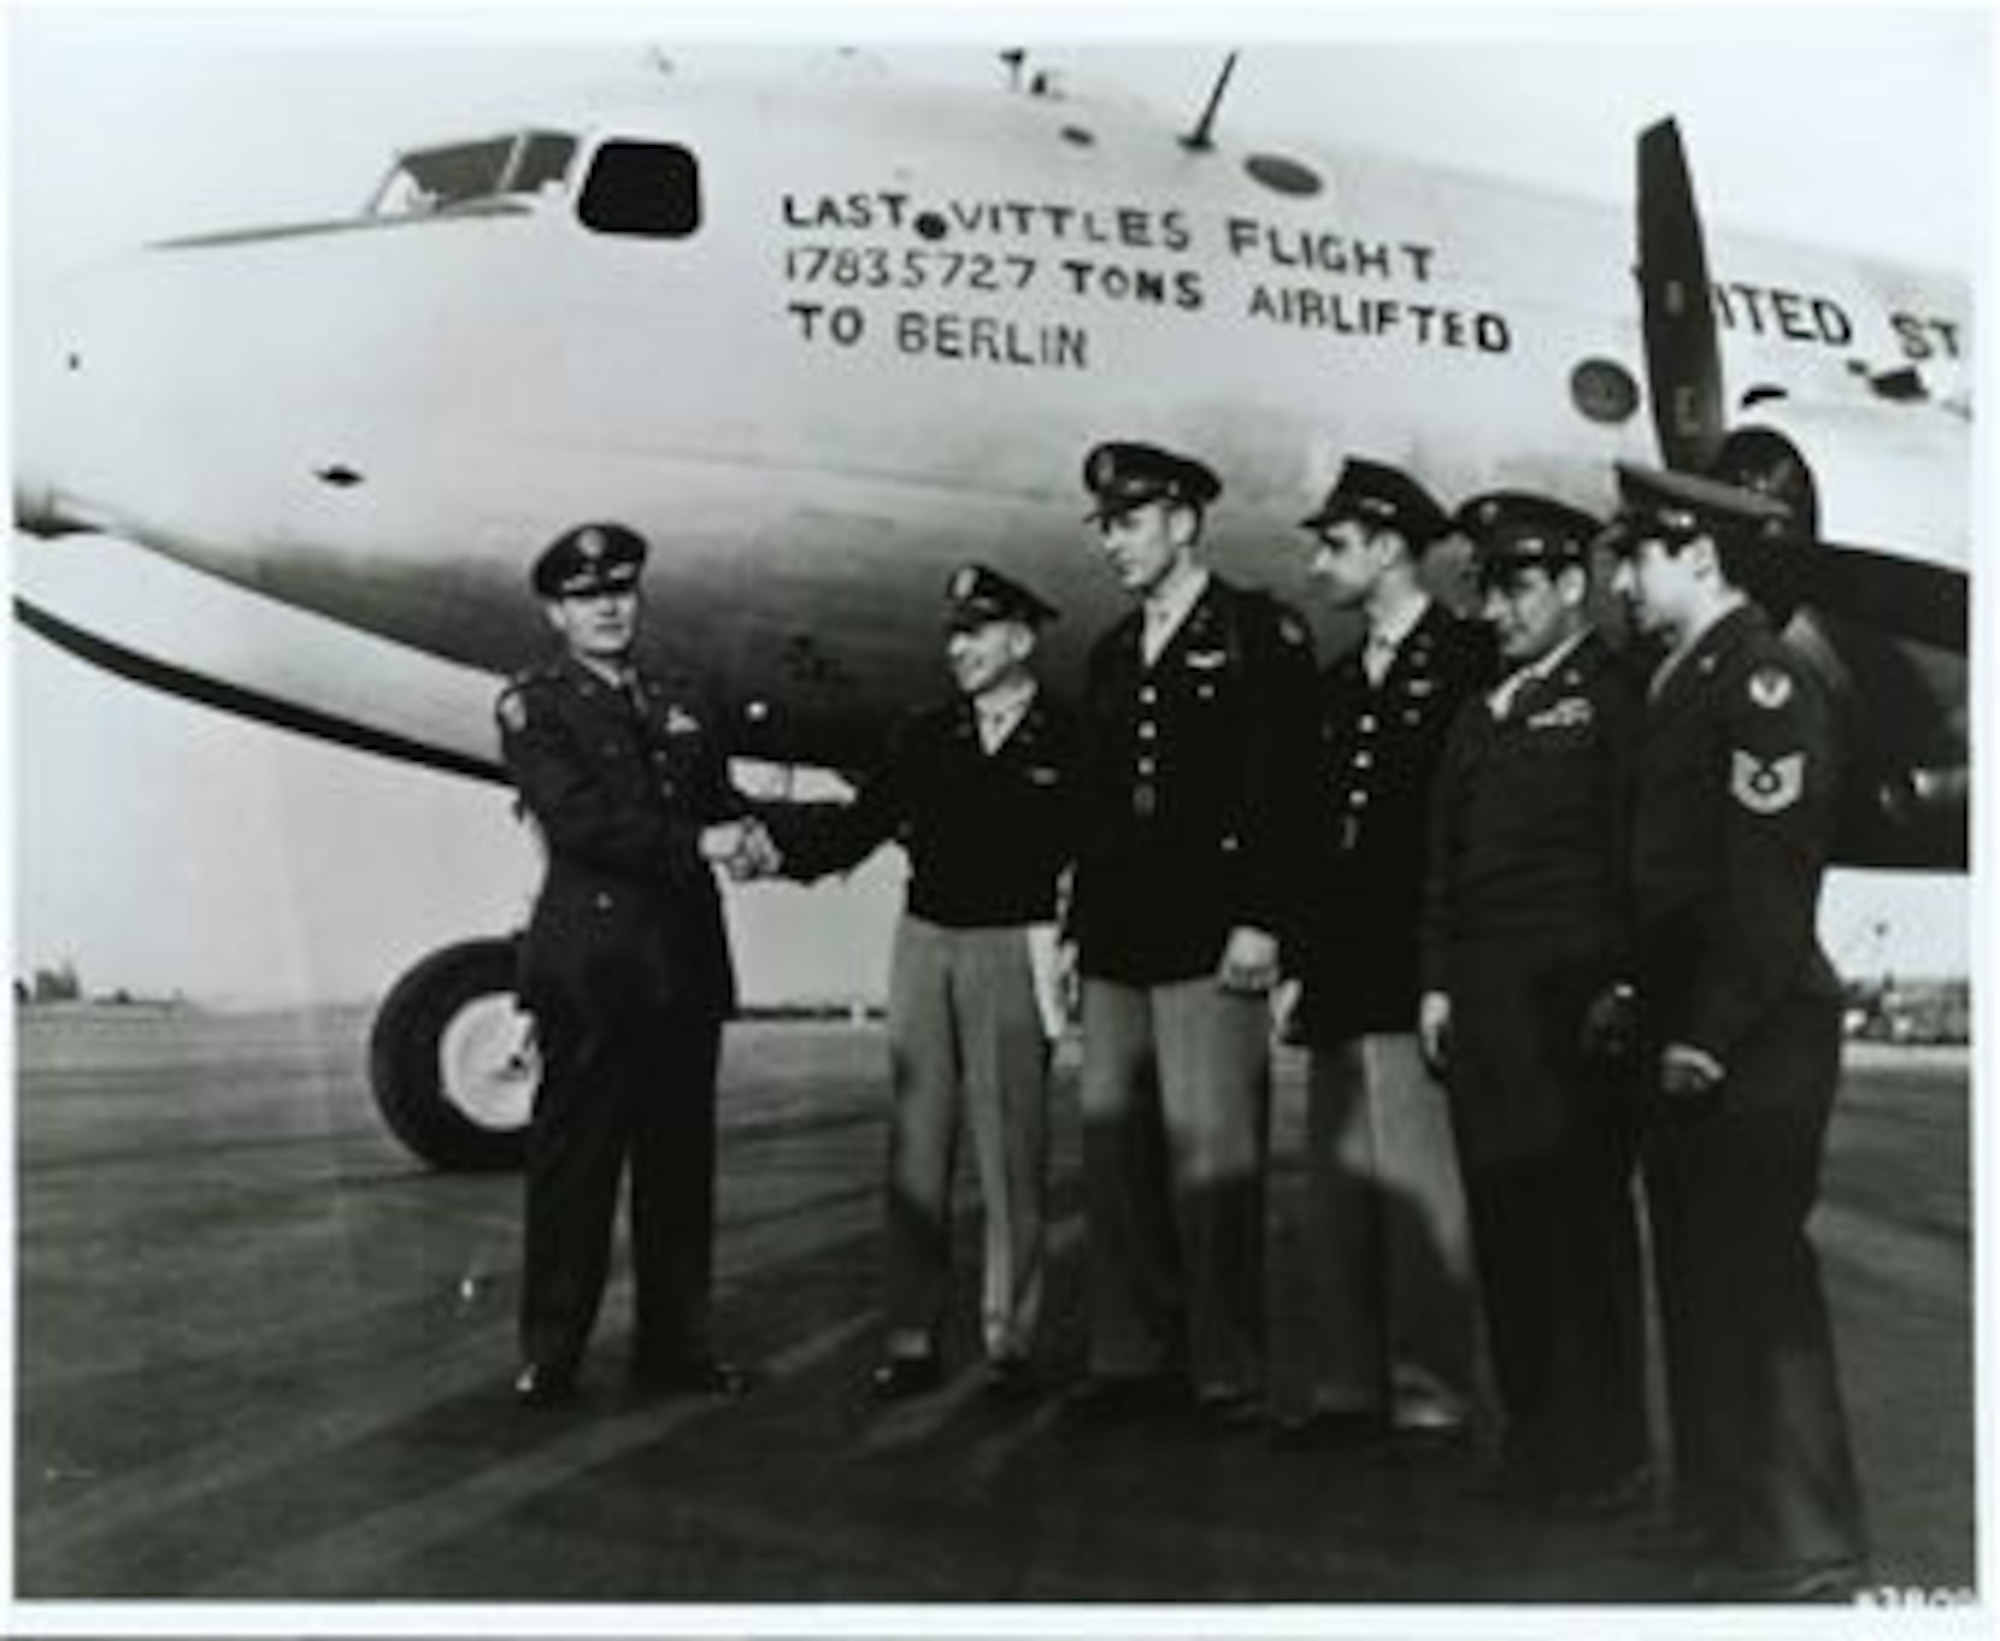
x=130, y=376
x=34, y=496
x=37, y=386
x=52, y=417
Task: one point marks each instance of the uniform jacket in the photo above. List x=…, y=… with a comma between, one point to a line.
x=1193, y=792
x=1738, y=784
x=1378, y=754
x=988, y=834
x=1531, y=815
x=620, y=785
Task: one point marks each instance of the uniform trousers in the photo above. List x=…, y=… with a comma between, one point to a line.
x=1761, y=1457
x=637, y=1090
x=967, y=1050
x=1546, y=1142
x=1176, y=1109
x=1395, y=1314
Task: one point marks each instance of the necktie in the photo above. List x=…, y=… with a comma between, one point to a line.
x=1378, y=658
x=994, y=727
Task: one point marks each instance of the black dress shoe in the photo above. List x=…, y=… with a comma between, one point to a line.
x=1606, y=1496
x=1230, y=1411
x=1011, y=1379
x=1429, y=1440
x=1103, y=1400
x=541, y=1384
x=693, y=1376
x=1837, y=1581
x=1515, y=1483
x=898, y=1378
x=1330, y=1429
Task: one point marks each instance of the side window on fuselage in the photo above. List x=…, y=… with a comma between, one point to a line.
x=648, y=189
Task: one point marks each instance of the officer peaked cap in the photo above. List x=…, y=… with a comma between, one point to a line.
x=592, y=558
x=1658, y=503
x=1123, y=476
x=976, y=594
x=1376, y=493
x=1517, y=529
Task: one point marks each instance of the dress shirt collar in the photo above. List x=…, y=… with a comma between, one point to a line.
x=1386, y=637
x=999, y=712
x=1165, y=614
x=1692, y=642
x=1542, y=667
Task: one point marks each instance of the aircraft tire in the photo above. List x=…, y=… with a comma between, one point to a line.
x=445, y=1060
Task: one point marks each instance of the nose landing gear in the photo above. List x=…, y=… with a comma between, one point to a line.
x=452, y=1059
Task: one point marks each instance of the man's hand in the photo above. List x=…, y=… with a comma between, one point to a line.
x=1068, y=980
x=1688, y=1073
x=1434, y=1029
x=1611, y=1025
x=1249, y=961
x=1052, y=967
x=746, y=855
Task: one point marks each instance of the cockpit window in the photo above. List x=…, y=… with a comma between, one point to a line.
x=543, y=162
x=428, y=180
x=652, y=189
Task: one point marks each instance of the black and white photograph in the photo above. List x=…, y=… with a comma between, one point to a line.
x=948, y=820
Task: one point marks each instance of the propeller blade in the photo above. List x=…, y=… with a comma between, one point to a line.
x=1902, y=597
x=1683, y=355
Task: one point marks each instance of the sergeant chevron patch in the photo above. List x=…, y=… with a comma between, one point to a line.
x=1767, y=787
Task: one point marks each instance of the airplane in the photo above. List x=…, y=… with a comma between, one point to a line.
x=821, y=341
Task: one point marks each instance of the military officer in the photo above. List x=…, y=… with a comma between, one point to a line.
x=1524, y=932
x=625, y=967
x=1197, y=724
x=980, y=791
x=1394, y=1315
x=1737, y=785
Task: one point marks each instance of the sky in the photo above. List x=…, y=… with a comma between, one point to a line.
x=164, y=849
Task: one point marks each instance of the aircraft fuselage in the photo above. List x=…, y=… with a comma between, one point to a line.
x=820, y=355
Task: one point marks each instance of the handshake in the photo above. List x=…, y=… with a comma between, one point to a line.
x=744, y=849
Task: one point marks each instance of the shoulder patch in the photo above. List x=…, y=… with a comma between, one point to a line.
x=1770, y=687
x=1767, y=786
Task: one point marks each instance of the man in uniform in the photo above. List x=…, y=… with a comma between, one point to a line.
x=625, y=967
x=1394, y=1313
x=1733, y=826
x=980, y=792
x=1525, y=931
x=1198, y=725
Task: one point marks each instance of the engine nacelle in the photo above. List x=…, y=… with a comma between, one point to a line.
x=1875, y=593
x=1873, y=471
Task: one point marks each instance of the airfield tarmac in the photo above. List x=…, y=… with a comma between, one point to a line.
x=262, y=1354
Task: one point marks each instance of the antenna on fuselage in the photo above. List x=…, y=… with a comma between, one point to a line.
x=1041, y=83
x=1198, y=140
